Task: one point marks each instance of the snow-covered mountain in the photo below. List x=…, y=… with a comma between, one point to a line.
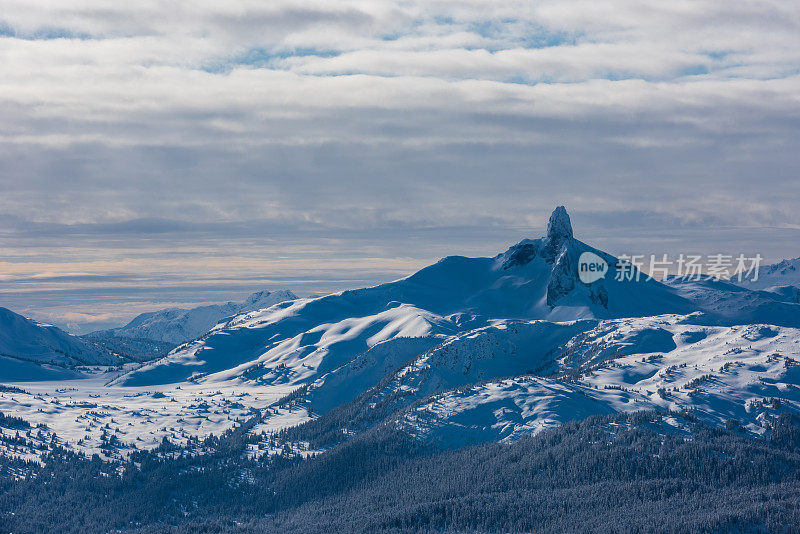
x=362, y=334
x=299, y=341
x=464, y=351
x=783, y=273
x=177, y=325
x=503, y=349
x=33, y=351
x=724, y=303
x=747, y=374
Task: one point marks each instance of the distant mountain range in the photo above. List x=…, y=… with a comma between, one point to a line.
x=30, y=350
x=773, y=277
x=178, y=325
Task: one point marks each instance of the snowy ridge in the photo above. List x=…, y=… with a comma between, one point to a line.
x=503, y=349
x=725, y=303
x=783, y=273
x=177, y=325
x=746, y=373
x=33, y=351
x=286, y=344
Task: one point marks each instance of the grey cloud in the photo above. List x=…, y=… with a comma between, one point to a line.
x=128, y=174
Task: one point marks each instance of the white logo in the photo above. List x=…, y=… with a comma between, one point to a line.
x=591, y=267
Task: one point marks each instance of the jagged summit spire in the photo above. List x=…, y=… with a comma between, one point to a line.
x=559, y=226
x=559, y=232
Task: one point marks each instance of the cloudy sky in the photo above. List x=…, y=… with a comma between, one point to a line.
x=161, y=153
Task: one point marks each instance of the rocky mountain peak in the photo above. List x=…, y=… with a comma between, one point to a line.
x=559, y=227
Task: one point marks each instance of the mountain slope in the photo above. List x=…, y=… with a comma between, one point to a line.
x=783, y=273
x=725, y=303
x=29, y=350
x=747, y=373
x=291, y=343
x=503, y=349
x=471, y=389
x=177, y=325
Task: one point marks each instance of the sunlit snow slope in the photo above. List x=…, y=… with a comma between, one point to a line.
x=176, y=325
x=744, y=373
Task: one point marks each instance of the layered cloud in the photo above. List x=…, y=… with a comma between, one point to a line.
x=288, y=133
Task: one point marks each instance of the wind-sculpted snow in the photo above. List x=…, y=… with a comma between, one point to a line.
x=503, y=349
x=790, y=294
x=291, y=344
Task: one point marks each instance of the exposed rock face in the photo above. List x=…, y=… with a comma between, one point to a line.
x=562, y=277
x=559, y=227
x=559, y=233
x=520, y=254
x=599, y=295
x=559, y=250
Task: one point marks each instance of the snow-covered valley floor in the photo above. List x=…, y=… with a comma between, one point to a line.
x=91, y=417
